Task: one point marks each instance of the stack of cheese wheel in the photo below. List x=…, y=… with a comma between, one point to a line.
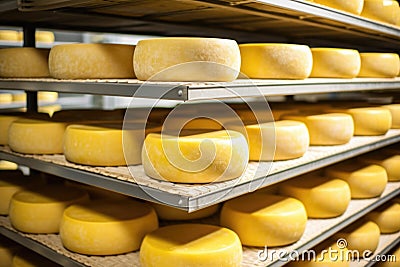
x=191, y=245
x=5, y=98
x=28, y=258
x=365, y=180
x=9, y=35
x=198, y=158
x=7, y=251
x=325, y=128
x=352, y=6
x=276, y=61
x=395, y=112
x=387, y=217
x=24, y=62
x=40, y=210
x=262, y=219
x=187, y=59
x=388, y=159
x=165, y=212
x=323, y=197
x=381, y=10
x=379, y=65
x=107, y=227
x=335, y=63
x=91, y=61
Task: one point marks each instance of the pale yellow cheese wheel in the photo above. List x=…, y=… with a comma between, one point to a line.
x=187, y=59
x=394, y=259
x=365, y=180
x=386, y=217
x=390, y=160
x=9, y=35
x=5, y=98
x=381, y=10
x=335, y=62
x=107, y=227
x=44, y=37
x=8, y=165
x=5, y=123
x=276, y=61
x=265, y=220
x=173, y=214
x=379, y=65
x=325, y=128
x=27, y=258
x=198, y=158
x=24, y=62
x=36, y=136
x=40, y=211
x=395, y=112
x=191, y=245
x=323, y=197
x=352, y=6
x=7, y=251
x=91, y=61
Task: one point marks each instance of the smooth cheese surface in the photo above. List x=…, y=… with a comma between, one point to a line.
x=395, y=112
x=352, y=6
x=387, y=218
x=40, y=211
x=27, y=258
x=191, y=245
x=379, y=65
x=9, y=35
x=5, y=98
x=323, y=197
x=265, y=220
x=365, y=180
x=8, y=165
x=24, y=62
x=276, y=61
x=389, y=161
x=199, y=158
x=326, y=128
x=5, y=122
x=381, y=10
x=187, y=59
x=107, y=227
x=36, y=136
x=335, y=62
x=165, y=212
x=91, y=61
x=44, y=37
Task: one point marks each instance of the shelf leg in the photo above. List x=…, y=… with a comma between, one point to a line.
x=31, y=96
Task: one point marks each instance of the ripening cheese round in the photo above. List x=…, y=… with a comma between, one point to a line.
x=327, y=128
x=379, y=65
x=395, y=112
x=365, y=181
x=7, y=251
x=381, y=10
x=198, y=158
x=40, y=211
x=8, y=165
x=36, y=136
x=191, y=245
x=335, y=63
x=5, y=123
x=106, y=227
x=352, y=6
x=276, y=61
x=394, y=260
x=187, y=59
x=265, y=220
x=44, y=37
x=91, y=61
x=9, y=35
x=24, y=62
x=323, y=197
x=10, y=183
x=387, y=218
x=173, y=214
x=389, y=161
x=5, y=98
x=27, y=258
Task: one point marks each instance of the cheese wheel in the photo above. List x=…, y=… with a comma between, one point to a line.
x=91, y=61
x=365, y=181
x=5, y=98
x=187, y=59
x=191, y=245
x=388, y=160
x=199, y=158
x=276, y=61
x=352, y=6
x=165, y=212
x=27, y=258
x=395, y=112
x=323, y=197
x=107, y=227
x=24, y=62
x=36, y=136
x=335, y=62
x=9, y=35
x=10, y=183
x=386, y=217
x=7, y=251
x=5, y=123
x=394, y=260
x=7, y=165
x=265, y=220
x=44, y=37
x=381, y=10
x=40, y=211
x=326, y=128
x=379, y=65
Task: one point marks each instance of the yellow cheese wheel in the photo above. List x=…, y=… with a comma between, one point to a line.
x=365, y=180
x=326, y=128
x=191, y=245
x=19, y=97
x=36, y=136
x=173, y=214
x=381, y=10
x=187, y=59
x=10, y=183
x=352, y=6
x=7, y=251
x=42, y=96
x=335, y=62
x=44, y=37
x=27, y=258
x=107, y=227
x=388, y=160
x=40, y=211
x=24, y=62
x=387, y=217
x=7, y=165
x=199, y=158
x=265, y=220
x=394, y=259
x=5, y=123
x=5, y=98
x=395, y=112
x=379, y=65
x=276, y=61
x=91, y=61
x=323, y=197
x=9, y=35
